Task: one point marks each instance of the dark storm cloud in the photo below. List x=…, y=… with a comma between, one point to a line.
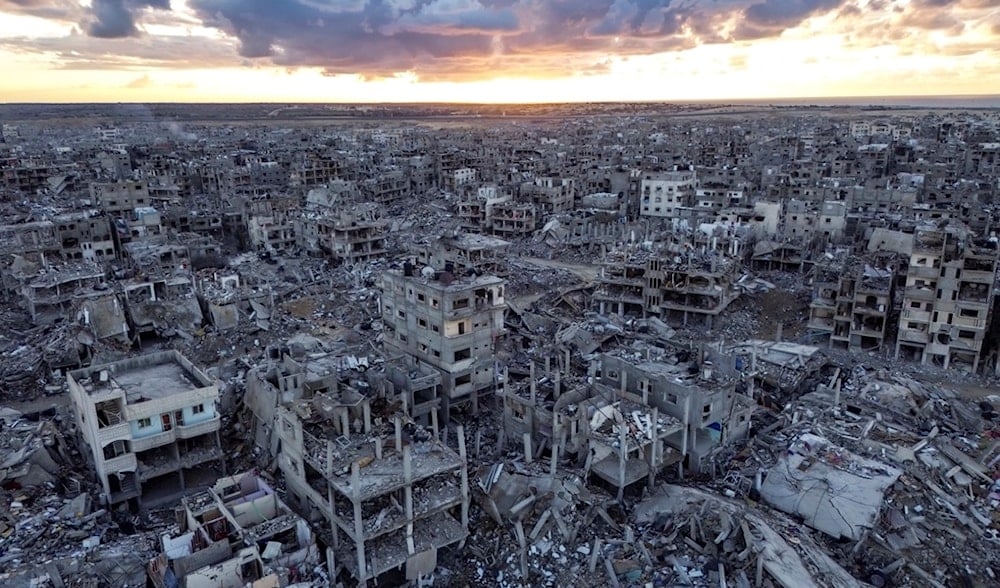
x=113, y=19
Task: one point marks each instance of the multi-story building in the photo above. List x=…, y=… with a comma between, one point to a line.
x=50, y=294
x=386, y=495
x=948, y=298
x=550, y=195
x=355, y=234
x=117, y=198
x=700, y=398
x=511, y=219
x=448, y=322
x=862, y=307
x=149, y=425
x=662, y=193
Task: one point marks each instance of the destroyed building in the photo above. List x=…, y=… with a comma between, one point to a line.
x=488, y=345
x=447, y=321
x=699, y=393
x=674, y=287
x=948, y=300
x=148, y=425
x=385, y=493
x=237, y=532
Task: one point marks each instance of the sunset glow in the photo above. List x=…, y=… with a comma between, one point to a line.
x=493, y=50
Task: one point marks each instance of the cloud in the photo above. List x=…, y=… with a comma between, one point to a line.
x=470, y=39
x=113, y=19
x=144, y=52
x=142, y=81
x=65, y=10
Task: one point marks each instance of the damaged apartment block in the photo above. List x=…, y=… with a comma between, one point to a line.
x=446, y=321
x=385, y=493
x=235, y=533
x=675, y=286
x=633, y=416
x=149, y=425
x=948, y=300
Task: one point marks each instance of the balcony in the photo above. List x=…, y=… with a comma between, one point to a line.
x=923, y=316
x=923, y=271
x=149, y=471
x=191, y=431
x=197, y=457
x=920, y=293
x=123, y=463
x=913, y=336
x=144, y=443
x=969, y=322
x=818, y=324
x=111, y=433
x=984, y=277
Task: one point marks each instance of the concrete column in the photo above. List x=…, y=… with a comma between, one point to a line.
x=366, y=408
x=622, y=452
x=329, y=457
x=531, y=379
x=334, y=530
x=408, y=498
x=359, y=529
x=399, y=434
x=528, y=454
x=654, y=458
x=345, y=425
x=465, y=477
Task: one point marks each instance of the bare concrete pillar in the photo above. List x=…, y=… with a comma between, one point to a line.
x=378, y=447
x=399, y=434
x=358, y=521
x=654, y=458
x=408, y=498
x=622, y=453
x=345, y=425
x=329, y=457
x=366, y=409
x=528, y=454
x=531, y=378
x=331, y=563
x=334, y=530
x=554, y=458
x=465, y=477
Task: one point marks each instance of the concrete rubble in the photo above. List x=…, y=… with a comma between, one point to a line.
x=456, y=346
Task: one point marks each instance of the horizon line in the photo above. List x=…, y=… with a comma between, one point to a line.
x=830, y=100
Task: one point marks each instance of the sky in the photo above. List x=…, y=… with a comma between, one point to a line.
x=493, y=50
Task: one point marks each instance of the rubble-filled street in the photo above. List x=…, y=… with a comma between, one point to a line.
x=588, y=345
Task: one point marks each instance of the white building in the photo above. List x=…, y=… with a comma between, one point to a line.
x=149, y=425
x=662, y=193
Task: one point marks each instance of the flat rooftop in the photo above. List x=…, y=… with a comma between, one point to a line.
x=472, y=241
x=147, y=377
x=457, y=284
